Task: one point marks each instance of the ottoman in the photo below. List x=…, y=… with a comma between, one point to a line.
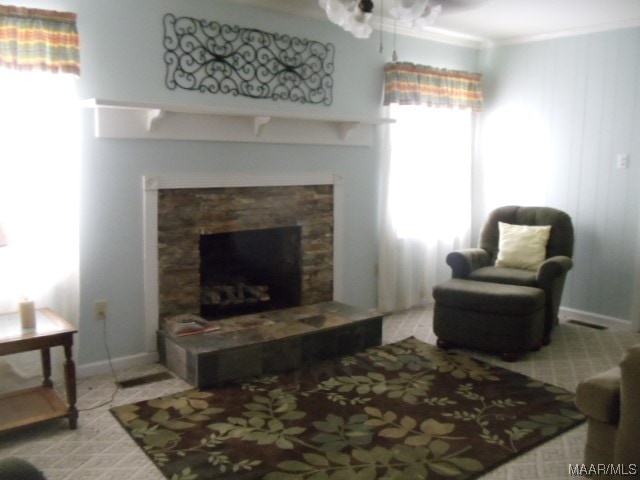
x=506, y=319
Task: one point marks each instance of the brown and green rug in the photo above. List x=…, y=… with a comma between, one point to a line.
x=401, y=411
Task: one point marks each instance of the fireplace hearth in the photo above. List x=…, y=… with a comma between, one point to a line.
x=250, y=271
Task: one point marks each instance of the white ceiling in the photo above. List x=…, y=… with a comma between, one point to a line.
x=482, y=22
x=508, y=20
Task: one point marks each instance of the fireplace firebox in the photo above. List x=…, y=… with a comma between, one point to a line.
x=250, y=271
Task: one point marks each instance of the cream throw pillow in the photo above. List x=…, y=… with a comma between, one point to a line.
x=522, y=246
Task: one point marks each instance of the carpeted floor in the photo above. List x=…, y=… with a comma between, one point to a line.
x=101, y=449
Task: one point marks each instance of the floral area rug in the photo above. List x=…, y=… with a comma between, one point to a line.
x=400, y=411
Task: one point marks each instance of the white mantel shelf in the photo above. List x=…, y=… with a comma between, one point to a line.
x=133, y=120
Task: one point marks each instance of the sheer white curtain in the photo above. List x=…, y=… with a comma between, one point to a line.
x=39, y=189
x=428, y=201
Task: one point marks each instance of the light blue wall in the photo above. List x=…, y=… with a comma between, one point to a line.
x=558, y=112
x=582, y=90
x=122, y=58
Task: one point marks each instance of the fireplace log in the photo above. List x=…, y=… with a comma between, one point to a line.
x=225, y=295
x=259, y=292
x=210, y=296
x=230, y=296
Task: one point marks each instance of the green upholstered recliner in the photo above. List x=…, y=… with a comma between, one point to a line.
x=478, y=263
x=12, y=468
x=610, y=402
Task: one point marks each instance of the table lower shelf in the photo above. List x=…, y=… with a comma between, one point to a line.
x=33, y=405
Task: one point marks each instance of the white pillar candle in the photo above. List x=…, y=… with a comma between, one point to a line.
x=28, y=314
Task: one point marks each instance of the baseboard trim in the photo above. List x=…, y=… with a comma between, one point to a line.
x=602, y=320
x=97, y=368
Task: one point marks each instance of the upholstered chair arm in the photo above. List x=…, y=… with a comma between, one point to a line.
x=463, y=262
x=626, y=447
x=553, y=268
x=598, y=397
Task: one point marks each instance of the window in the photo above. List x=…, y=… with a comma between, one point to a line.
x=39, y=177
x=428, y=210
x=430, y=173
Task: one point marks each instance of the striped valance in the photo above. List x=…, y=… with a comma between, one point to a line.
x=34, y=39
x=410, y=84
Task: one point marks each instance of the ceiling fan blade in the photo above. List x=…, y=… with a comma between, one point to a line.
x=452, y=6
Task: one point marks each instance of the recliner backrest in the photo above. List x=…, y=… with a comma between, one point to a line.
x=560, y=239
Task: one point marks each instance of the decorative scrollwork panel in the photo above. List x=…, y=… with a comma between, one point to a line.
x=218, y=58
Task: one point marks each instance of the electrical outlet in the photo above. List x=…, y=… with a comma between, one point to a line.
x=101, y=310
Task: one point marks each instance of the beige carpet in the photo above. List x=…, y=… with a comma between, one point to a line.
x=101, y=449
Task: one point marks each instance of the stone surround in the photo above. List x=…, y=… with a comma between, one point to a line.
x=186, y=213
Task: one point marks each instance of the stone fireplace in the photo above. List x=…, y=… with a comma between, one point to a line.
x=281, y=235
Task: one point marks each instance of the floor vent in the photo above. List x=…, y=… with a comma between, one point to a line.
x=587, y=324
x=151, y=378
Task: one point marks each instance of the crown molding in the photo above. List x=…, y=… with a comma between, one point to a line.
x=605, y=27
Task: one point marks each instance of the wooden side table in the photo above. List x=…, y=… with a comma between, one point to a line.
x=42, y=403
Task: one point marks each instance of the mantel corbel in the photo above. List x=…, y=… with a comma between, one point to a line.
x=154, y=115
x=258, y=124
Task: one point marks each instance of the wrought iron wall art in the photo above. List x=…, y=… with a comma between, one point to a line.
x=217, y=58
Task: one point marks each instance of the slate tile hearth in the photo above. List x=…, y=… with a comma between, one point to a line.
x=270, y=342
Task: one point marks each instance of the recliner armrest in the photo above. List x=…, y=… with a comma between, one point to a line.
x=552, y=268
x=463, y=262
x=626, y=450
x=598, y=397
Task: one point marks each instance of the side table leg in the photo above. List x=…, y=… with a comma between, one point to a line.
x=45, y=355
x=70, y=383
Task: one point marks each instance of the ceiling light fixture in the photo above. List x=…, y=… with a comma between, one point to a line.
x=354, y=16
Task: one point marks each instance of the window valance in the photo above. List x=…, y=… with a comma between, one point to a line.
x=410, y=84
x=35, y=39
